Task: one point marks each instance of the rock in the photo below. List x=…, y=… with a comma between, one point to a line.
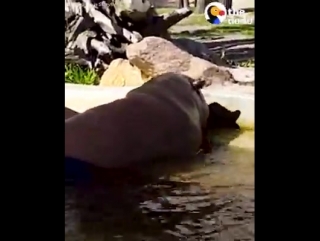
x=211, y=73
x=155, y=56
x=243, y=76
x=121, y=73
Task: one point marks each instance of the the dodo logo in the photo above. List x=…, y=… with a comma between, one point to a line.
x=215, y=13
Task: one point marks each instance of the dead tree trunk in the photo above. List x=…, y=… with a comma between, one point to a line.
x=201, y=4
x=227, y=3
x=97, y=34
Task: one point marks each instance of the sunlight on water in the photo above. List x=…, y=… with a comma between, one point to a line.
x=229, y=166
x=211, y=198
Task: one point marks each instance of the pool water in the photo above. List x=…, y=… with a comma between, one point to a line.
x=210, y=198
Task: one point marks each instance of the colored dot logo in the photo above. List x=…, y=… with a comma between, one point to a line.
x=215, y=13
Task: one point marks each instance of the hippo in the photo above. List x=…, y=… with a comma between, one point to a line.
x=164, y=118
x=222, y=118
x=69, y=113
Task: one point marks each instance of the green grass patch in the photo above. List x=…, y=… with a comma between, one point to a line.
x=76, y=74
x=248, y=64
x=244, y=29
x=195, y=19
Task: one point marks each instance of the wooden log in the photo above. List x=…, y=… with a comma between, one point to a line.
x=94, y=32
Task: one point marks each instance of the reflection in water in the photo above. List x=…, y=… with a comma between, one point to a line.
x=210, y=199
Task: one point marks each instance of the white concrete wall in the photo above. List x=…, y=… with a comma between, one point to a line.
x=80, y=98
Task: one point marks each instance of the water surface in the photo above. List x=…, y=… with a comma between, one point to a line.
x=211, y=198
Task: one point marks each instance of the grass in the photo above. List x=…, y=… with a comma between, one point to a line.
x=77, y=74
x=248, y=64
x=245, y=29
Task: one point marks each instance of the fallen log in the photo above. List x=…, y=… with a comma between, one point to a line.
x=96, y=32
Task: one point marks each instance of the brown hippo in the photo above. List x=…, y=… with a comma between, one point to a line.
x=69, y=113
x=163, y=118
x=220, y=117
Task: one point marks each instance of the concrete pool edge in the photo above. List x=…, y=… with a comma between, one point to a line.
x=82, y=97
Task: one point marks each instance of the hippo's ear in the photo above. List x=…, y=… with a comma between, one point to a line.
x=198, y=84
x=235, y=115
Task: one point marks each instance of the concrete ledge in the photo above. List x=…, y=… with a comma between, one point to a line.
x=234, y=99
x=83, y=97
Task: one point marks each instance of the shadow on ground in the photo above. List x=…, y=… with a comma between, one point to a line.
x=231, y=47
x=236, y=50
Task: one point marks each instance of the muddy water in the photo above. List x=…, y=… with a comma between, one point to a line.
x=210, y=198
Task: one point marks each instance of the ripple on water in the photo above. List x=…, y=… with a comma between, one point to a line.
x=210, y=199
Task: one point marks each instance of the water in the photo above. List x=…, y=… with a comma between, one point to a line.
x=211, y=198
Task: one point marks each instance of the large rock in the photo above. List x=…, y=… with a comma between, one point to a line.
x=121, y=73
x=155, y=56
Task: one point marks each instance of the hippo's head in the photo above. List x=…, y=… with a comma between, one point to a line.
x=222, y=118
